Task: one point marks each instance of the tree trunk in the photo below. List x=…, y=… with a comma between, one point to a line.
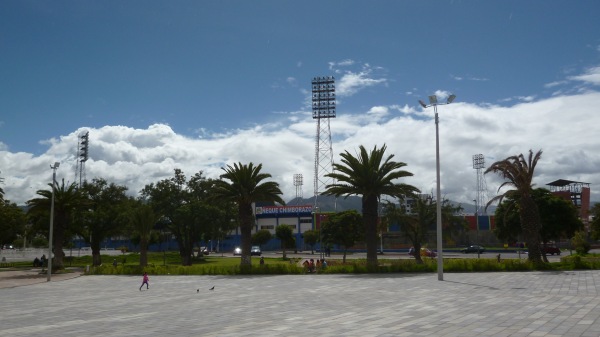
x=143, y=252
x=417, y=246
x=96, y=259
x=369, y=210
x=57, y=246
x=245, y=211
x=530, y=223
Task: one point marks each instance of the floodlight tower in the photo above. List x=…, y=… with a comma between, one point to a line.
x=481, y=200
x=323, y=109
x=298, y=184
x=82, y=156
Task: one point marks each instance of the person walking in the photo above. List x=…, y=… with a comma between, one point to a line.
x=145, y=281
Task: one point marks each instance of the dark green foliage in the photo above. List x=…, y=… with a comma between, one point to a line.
x=595, y=213
x=242, y=185
x=517, y=172
x=370, y=175
x=311, y=237
x=558, y=216
x=343, y=228
x=12, y=222
x=580, y=243
x=285, y=234
x=261, y=237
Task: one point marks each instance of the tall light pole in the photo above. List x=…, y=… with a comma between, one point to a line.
x=56, y=165
x=318, y=221
x=477, y=224
x=433, y=102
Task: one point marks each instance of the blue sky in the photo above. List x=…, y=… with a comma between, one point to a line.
x=231, y=80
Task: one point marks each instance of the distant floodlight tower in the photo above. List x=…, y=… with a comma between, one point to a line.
x=82, y=156
x=323, y=109
x=482, y=194
x=298, y=183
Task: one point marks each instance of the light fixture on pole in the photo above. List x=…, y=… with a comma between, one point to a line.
x=56, y=165
x=433, y=102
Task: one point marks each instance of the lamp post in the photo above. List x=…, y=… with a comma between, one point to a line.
x=315, y=214
x=434, y=103
x=56, y=165
x=477, y=225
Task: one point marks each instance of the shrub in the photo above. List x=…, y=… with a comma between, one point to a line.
x=580, y=243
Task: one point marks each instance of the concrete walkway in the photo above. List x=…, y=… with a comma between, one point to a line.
x=25, y=277
x=465, y=304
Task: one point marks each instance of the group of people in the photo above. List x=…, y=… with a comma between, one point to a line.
x=313, y=267
x=40, y=262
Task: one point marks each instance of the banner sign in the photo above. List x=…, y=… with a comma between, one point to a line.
x=283, y=211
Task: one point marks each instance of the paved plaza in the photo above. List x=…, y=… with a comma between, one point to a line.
x=464, y=304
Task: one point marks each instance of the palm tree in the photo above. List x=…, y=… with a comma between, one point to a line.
x=244, y=185
x=518, y=173
x=370, y=175
x=67, y=200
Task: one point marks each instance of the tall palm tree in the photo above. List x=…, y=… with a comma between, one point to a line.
x=370, y=175
x=518, y=173
x=67, y=201
x=243, y=185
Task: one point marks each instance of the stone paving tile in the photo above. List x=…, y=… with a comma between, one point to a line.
x=465, y=304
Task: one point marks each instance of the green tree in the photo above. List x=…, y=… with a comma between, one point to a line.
x=142, y=220
x=369, y=175
x=67, y=201
x=595, y=213
x=285, y=234
x=104, y=216
x=311, y=237
x=518, y=173
x=417, y=224
x=580, y=243
x=243, y=185
x=558, y=216
x=343, y=228
x=13, y=222
x=261, y=237
x=508, y=224
x=185, y=209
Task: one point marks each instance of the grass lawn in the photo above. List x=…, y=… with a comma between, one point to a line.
x=169, y=263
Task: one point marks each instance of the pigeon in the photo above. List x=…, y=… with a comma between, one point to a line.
x=213, y=288
x=197, y=290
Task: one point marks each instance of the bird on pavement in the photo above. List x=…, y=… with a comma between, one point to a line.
x=213, y=288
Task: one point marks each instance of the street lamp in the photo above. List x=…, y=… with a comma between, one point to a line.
x=477, y=224
x=433, y=102
x=317, y=221
x=56, y=165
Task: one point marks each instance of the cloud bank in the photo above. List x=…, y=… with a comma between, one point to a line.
x=562, y=126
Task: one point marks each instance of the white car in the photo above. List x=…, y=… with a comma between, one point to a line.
x=237, y=251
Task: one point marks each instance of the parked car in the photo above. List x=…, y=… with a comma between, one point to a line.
x=473, y=249
x=204, y=250
x=424, y=252
x=237, y=251
x=551, y=249
x=255, y=251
